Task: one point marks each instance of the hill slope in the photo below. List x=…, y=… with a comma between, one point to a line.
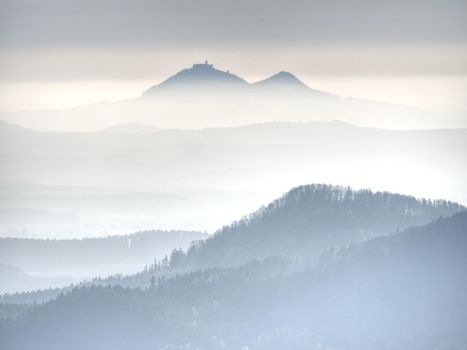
x=311, y=219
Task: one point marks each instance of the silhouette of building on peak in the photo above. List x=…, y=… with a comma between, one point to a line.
x=204, y=65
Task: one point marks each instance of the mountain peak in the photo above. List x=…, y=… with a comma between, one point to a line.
x=200, y=75
x=204, y=77
x=284, y=75
x=283, y=79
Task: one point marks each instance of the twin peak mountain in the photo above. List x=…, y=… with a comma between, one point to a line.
x=204, y=77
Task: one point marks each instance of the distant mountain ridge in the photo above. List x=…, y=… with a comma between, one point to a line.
x=284, y=80
x=203, y=96
x=130, y=128
x=92, y=257
x=199, y=75
x=205, y=77
x=307, y=152
x=14, y=279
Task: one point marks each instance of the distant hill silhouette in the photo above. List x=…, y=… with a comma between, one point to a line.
x=198, y=76
x=204, y=96
x=92, y=257
x=282, y=78
x=287, y=83
x=14, y=279
x=204, y=77
x=130, y=128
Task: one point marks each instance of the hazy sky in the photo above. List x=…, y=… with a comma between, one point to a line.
x=65, y=52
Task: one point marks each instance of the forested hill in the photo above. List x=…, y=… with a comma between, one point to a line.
x=310, y=219
x=299, y=226
x=404, y=291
